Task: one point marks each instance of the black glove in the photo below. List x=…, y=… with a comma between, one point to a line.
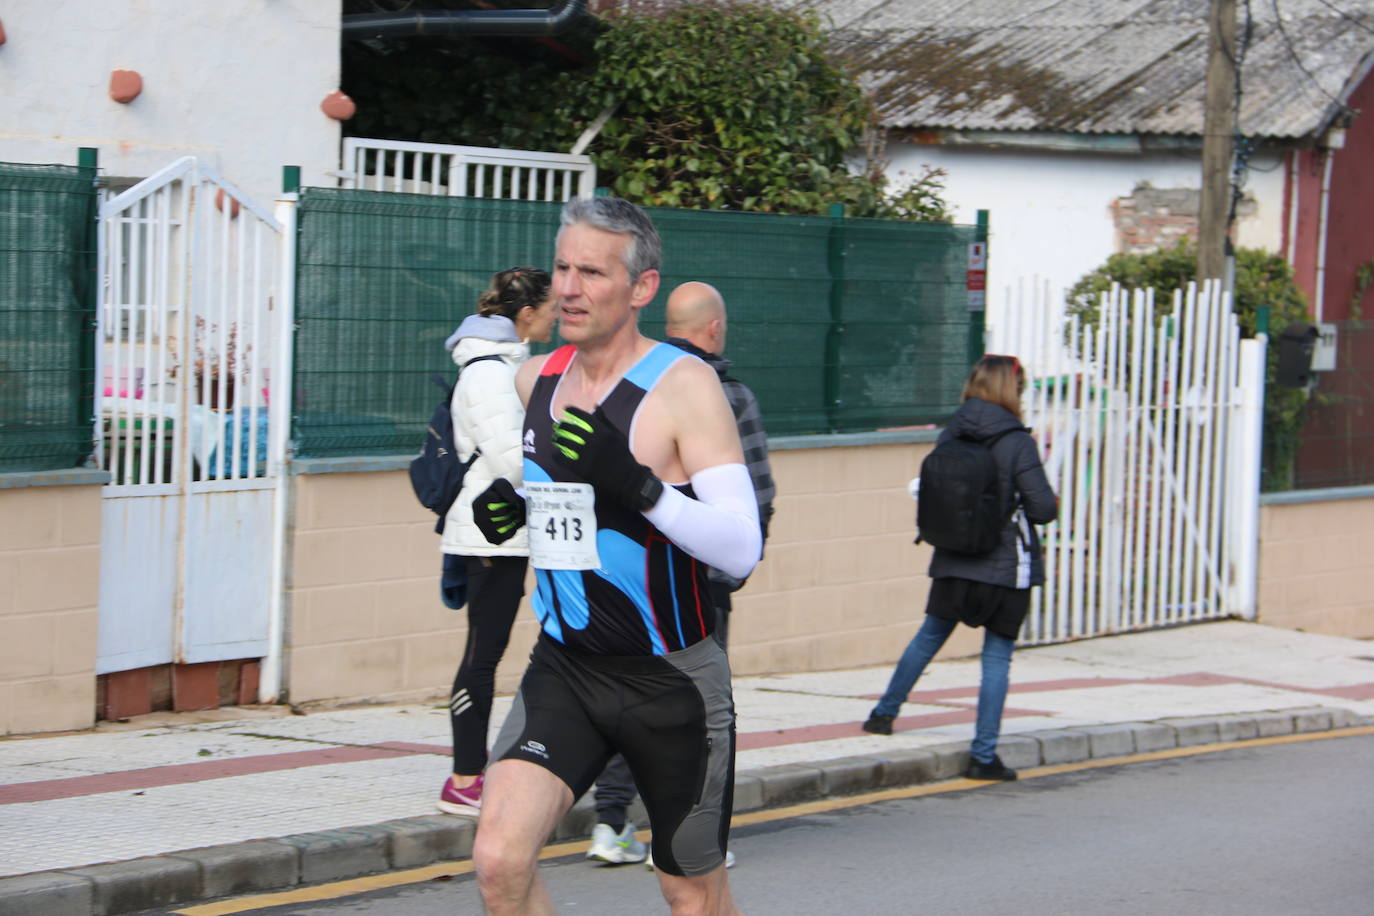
x=590, y=445
x=498, y=511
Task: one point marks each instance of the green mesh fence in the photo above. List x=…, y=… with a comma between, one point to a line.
x=46, y=259
x=838, y=325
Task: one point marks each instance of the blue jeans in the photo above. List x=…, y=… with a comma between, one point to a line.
x=992, y=689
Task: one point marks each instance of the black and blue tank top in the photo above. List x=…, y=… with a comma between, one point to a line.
x=648, y=597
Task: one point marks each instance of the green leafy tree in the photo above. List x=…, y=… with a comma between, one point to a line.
x=1263, y=280
x=469, y=91
x=714, y=105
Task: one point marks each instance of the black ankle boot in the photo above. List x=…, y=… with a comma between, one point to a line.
x=995, y=771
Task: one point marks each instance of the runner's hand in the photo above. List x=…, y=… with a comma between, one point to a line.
x=591, y=446
x=498, y=511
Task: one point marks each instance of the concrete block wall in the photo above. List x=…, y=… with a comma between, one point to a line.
x=1314, y=561
x=365, y=622
x=49, y=599
x=841, y=584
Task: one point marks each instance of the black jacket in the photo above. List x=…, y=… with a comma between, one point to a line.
x=1016, y=561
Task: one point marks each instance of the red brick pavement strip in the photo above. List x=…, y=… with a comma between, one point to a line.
x=177, y=774
x=150, y=777
x=754, y=740
x=1195, y=679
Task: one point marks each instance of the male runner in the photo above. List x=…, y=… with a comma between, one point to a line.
x=634, y=485
x=695, y=321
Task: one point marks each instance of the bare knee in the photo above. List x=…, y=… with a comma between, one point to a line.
x=704, y=895
x=504, y=872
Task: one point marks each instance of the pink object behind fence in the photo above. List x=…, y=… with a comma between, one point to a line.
x=124, y=374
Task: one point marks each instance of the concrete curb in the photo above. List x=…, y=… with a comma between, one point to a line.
x=259, y=866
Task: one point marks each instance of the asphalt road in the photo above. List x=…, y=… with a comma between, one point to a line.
x=1278, y=829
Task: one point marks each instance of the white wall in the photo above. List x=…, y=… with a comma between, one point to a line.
x=1050, y=213
x=238, y=83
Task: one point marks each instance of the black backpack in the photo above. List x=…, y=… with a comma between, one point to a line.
x=436, y=474
x=958, y=508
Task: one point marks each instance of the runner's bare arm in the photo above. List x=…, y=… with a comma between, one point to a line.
x=721, y=526
x=527, y=375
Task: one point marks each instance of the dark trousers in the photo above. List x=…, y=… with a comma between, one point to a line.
x=615, y=787
x=495, y=587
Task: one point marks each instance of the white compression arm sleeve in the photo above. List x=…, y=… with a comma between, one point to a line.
x=721, y=526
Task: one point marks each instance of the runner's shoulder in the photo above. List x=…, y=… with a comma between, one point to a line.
x=688, y=373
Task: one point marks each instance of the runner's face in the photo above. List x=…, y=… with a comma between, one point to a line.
x=595, y=295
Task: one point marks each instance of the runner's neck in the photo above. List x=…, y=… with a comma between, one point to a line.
x=595, y=371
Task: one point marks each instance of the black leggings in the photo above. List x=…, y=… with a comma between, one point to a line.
x=495, y=587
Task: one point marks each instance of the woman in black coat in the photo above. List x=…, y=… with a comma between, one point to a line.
x=990, y=590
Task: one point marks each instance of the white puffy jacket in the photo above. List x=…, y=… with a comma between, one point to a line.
x=487, y=415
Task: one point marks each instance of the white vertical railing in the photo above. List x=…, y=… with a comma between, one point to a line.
x=464, y=171
x=1243, y=468
x=271, y=681
x=188, y=270
x=1150, y=434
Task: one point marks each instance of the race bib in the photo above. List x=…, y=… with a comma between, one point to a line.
x=561, y=518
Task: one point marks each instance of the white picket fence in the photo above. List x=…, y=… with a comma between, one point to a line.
x=464, y=171
x=1150, y=433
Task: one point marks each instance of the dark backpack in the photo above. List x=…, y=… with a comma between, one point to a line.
x=436, y=474
x=958, y=508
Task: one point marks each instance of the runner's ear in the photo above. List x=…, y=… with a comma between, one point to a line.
x=645, y=287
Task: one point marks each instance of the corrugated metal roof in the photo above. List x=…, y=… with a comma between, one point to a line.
x=1095, y=66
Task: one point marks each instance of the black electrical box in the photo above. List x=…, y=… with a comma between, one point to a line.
x=1296, y=344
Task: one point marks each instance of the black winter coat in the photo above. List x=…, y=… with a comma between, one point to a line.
x=1022, y=477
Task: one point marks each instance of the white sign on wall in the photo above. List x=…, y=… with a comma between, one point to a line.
x=976, y=279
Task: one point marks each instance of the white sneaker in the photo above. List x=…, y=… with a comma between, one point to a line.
x=611, y=848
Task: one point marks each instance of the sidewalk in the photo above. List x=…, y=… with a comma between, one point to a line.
x=179, y=808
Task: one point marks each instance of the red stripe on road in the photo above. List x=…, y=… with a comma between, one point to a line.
x=752, y=741
x=1195, y=679
x=411, y=747
x=177, y=774
x=151, y=777
x=1353, y=692
x=1068, y=683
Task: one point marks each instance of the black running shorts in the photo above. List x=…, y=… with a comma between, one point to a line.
x=673, y=718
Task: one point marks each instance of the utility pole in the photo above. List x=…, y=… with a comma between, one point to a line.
x=1218, y=127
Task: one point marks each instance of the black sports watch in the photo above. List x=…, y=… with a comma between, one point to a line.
x=648, y=494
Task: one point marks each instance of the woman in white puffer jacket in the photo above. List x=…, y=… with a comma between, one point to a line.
x=487, y=418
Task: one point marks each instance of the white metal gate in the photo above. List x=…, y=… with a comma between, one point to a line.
x=1150, y=434
x=464, y=171
x=185, y=375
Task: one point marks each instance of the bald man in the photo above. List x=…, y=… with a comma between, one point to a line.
x=696, y=323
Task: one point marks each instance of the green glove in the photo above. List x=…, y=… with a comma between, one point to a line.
x=498, y=511
x=590, y=445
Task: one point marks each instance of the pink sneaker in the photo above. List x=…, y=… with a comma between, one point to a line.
x=466, y=801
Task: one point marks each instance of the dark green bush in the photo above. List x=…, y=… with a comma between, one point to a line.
x=1263, y=280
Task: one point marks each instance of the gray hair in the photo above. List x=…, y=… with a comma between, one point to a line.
x=612, y=214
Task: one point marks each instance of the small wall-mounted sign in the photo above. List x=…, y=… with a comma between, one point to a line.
x=976, y=280
x=1324, y=353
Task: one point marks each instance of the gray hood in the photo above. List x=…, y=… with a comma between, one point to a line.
x=493, y=327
